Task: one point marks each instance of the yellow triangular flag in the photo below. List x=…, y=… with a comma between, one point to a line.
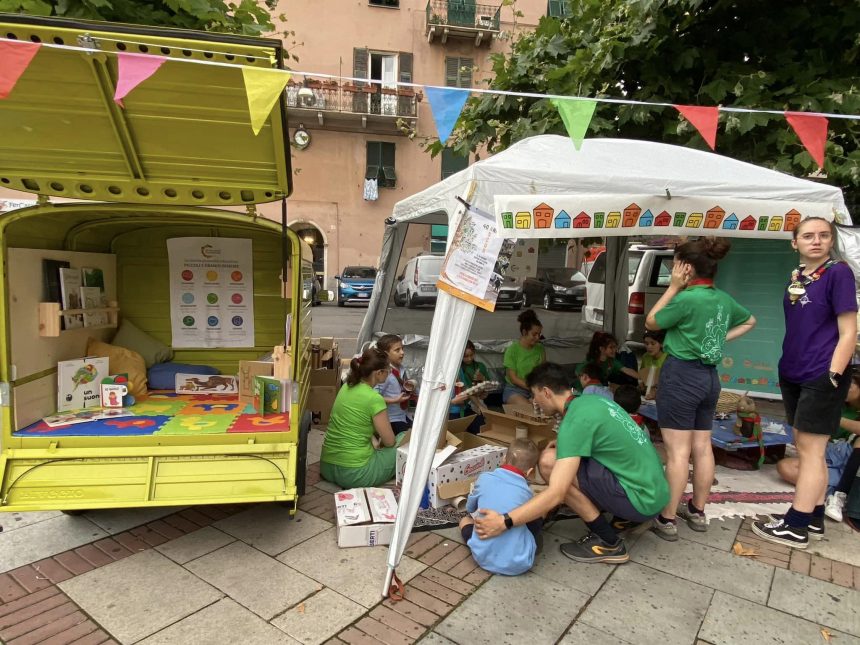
x=263, y=86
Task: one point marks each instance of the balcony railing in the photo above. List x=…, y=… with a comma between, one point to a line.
x=462, y=17
x=367, y=99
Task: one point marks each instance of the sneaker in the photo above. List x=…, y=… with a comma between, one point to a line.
x=620, y=524
x=815, y=530
x=666, y=530
x=834, y=505
x=781, y=533
x=696, y=521
x=592, y=549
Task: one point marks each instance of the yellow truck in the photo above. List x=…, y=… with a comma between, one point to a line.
x=178, y=160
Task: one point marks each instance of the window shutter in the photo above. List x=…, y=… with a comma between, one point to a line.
x=452, y=163
x=360, y=57
x=465, y=72
x=451, y=71
x=405, y=104
x=374, y=160
x=405, y=67
x=387, y=157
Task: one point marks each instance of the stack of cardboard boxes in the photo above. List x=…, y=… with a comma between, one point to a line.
x=325, y=378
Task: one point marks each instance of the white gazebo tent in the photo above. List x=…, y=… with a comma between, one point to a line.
x=613, y=169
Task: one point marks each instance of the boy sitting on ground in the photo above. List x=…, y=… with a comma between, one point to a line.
x=628, y=397
x=589, y=377
x=504, y=489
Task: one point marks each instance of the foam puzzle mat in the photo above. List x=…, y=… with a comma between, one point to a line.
x=167, y=413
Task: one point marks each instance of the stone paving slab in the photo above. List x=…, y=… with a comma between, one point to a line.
x=139, y=595
x=839, y=543
x=117, y=520
x=222, y=623
x=43, y=539
x=195, y=544
x=707, y=566
x=553, y=565
x=732, y=621
x=315, y=442
x=720, y=534
x=648, y=607
x=526, y=608
x=357, y=573
x=319, y=617
x=817, y=601
x=582, y=634
x=268, y=527
x=253, y=579
x=12, y=521
x=435, y=639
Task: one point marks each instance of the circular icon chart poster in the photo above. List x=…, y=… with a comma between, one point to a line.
x=211, y=292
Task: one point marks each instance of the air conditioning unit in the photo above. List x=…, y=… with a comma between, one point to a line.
x=485, y=21
x=306, y=97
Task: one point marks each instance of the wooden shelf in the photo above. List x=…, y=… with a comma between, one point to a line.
x=50, y=317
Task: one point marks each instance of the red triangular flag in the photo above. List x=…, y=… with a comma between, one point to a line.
x=812, y=132
x=15, y=56
x=132, y=70
x=704, y=119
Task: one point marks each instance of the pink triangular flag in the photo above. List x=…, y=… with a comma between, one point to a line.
x=704, y=119
x=15, y=57
x=812, y=132
x=134, y=69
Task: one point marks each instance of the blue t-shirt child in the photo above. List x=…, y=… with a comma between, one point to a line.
x=512, y=552
x=390, y=389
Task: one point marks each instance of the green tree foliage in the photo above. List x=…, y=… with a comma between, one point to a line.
x=246, y=17
x=767, y=54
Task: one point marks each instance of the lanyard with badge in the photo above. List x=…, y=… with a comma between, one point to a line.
x=799, y=282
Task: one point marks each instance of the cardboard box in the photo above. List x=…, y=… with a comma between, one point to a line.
x=324, y=378
x=327, y=343
x=247, y=371
x=502, y=428
x=320, y=401
x=457, y=465
x=365, y=516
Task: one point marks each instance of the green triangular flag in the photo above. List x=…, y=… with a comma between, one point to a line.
x=576, y=114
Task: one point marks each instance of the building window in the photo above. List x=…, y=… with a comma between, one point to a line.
x=380, y=163
x=384, y=3
x=452, y=163
x=438, y=238
x=458, y=71
x=558, y=8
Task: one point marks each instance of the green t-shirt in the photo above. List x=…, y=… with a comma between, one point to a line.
x=522, y=360
x=600, y=429
x=350, y=429
x=469, y=371
x=847, y=413
x=649, y=361
x=697, y=321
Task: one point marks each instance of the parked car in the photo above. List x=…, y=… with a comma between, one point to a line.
x=355, y=284
x=555, y=288
x=510, y=293
x=417, y=284
x=649, y=271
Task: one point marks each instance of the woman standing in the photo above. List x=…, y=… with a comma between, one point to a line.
x=698, y=319
x=349, y=458
x=820, y=306
x=521, y=357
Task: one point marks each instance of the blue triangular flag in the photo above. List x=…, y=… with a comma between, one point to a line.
x=446, y=103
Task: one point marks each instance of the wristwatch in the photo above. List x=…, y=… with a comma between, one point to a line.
x=834, y=378
x=509, y=522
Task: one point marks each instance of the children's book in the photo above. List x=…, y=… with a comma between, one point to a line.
x=70, y=289
x=51, y=279
x=79, y=383
x=93, y=298
x=206, y=384
x=93, y=277
x=82, y=416
x=271, y=395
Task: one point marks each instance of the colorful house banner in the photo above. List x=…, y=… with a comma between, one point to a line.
x=553, y=216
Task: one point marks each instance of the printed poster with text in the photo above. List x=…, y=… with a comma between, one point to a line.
x=211, y=292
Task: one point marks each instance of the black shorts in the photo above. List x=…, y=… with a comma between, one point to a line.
x=604, y=490
x=815, y=406
x=534, y=526
x=687, y=395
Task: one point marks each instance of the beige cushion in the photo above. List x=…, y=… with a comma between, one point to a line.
x=122, y=361
x=132, y=337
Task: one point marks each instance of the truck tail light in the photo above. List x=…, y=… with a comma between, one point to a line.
x=637, y=303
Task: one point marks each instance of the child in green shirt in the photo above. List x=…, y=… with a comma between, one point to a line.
x=652, y=361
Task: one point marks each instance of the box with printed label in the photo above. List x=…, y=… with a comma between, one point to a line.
x=365, y=516
x=471, y=456
x=502, y=428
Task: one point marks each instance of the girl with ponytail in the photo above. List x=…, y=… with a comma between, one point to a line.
x=349, y=458
x=698, y=319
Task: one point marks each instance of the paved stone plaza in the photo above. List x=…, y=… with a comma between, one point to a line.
x=251, y=575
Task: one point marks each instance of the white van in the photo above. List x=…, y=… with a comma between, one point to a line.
x=417, y=284
x=649, y=270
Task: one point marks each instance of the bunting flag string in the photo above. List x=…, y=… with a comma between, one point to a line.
x=15, y=57
x=446, y=104
x=132, y=70
x=576, y=115
x=704, y=119
x=263, y=87
x=812, y=132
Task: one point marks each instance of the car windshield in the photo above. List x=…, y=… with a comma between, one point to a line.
x=366, y=273
x=564, y=276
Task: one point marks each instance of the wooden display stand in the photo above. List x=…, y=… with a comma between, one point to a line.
x=50, y=313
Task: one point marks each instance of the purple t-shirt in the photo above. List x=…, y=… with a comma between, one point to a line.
x=811, y=330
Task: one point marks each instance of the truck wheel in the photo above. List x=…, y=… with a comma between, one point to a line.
x=410, y=301
x=340, y=303
x=525, y=301
x=547, y=301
